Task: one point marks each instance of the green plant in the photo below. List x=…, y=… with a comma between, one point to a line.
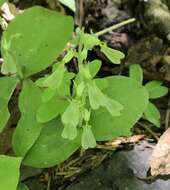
x=61, y=111
x=155, y=90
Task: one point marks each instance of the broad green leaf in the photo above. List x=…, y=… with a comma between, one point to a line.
x=136, y=73
x=152, y=114
x=36, y=45
x=7, y=85
x=88, y=139
x=51, y=109
x=113, y=55
x=55, y=79
x=28, y=129
x=155, y=89
x=69, y=3
x=94, y=67
x=22, y=186
x=134, y=99
x=51, y=149
x=9, y=172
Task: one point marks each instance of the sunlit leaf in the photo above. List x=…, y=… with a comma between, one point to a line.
x=9, y=172
x=28, y=129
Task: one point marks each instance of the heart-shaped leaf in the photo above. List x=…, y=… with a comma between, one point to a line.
x=134, y=99
x=36, y=45
x=51, y=149
x=28, y=129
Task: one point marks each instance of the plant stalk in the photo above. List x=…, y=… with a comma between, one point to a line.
x=115, y=26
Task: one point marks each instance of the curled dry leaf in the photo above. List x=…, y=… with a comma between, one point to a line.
x=116, y=142
x=9, y=11
x=160, y=159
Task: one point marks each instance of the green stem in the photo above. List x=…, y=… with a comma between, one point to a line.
x=116, y=26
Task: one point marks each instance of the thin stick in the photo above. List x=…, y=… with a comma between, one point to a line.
x=116, y=26
x=149, y=130
x=167, y=117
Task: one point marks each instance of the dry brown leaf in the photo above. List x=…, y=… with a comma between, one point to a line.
x=116, y=142
x=160, y=159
